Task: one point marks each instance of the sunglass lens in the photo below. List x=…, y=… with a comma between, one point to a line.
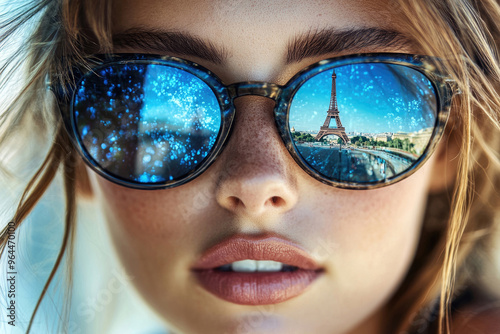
x=146, y=123
x=363, y=123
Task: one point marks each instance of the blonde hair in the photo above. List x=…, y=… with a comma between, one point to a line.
x=456, y=237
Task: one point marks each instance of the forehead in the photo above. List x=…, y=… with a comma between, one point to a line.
x=255, y=35
x=226, y=18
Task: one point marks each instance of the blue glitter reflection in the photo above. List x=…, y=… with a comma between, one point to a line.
x=149, y=123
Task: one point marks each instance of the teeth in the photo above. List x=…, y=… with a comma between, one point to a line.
x=251, y=266
x=244, y=266
x=269, y=266
x=254, y=265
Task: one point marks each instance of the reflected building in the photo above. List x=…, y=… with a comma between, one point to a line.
x=383, y=137
x=419, y=139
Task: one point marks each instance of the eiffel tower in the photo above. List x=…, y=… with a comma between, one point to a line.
x=333, y=113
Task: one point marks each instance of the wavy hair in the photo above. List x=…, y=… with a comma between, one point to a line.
x=457, y=238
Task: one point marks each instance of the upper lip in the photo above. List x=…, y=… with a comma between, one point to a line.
x=242, y=247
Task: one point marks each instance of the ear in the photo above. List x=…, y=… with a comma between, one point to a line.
x=446, y=162
x=83, y=187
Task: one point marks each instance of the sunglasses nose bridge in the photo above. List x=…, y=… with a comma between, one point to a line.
x=264, y=89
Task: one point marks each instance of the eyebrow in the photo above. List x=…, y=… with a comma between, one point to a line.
x=169, y=42
x=320, y=42
x=314, y=43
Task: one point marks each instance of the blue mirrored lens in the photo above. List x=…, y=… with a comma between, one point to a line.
x=146, y=123
x=363, y=123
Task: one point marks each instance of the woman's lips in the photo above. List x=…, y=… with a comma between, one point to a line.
x=261, y=287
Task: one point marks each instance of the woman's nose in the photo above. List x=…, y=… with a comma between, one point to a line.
x=256, y=175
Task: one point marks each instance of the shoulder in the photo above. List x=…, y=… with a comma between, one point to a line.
x=478, y=318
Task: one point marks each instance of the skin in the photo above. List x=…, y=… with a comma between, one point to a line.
x=365, y=240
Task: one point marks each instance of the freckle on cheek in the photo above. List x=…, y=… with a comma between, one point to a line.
x=125, y=208
x=147, y=215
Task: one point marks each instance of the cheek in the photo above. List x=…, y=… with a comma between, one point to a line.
x=154, y=215
x=138, y=212
x=382, y=233
x=147, y=224
x=384, y=217
x=155, y=234
x=368, y=239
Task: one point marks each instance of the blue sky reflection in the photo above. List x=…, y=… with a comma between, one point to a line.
x=372, y=98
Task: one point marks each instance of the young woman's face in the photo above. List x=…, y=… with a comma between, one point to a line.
x=353, y=248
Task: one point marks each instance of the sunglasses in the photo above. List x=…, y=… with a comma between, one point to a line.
x=356, y=122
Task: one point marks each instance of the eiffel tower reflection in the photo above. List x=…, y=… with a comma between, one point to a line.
x=333, y=114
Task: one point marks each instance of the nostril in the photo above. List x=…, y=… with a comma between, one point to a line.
x=277, y=201
x=255, y=195
x=235, y=202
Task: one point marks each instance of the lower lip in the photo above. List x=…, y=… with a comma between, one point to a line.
x=257, y=288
